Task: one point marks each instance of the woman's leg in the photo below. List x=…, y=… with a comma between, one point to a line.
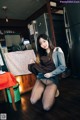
x=37, y=91
x=49, y=96
x=57, y=93
x=48, y=82
x=12, y=96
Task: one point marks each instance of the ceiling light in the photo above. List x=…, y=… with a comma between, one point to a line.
x=53, y=4
x=34, y=21
x=5, y=10
x=4, y=7
x=59, y=12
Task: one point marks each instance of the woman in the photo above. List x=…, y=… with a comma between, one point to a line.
x=51, y=63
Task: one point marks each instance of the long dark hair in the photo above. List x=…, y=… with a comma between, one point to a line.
x=41, y=51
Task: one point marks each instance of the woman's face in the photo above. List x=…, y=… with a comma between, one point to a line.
x=44, y=43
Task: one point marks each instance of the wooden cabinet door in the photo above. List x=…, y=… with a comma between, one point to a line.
x=26, y=82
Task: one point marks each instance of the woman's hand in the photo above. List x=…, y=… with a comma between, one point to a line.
x=47, y=75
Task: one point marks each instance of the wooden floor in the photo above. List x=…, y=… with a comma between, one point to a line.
x=67, y=105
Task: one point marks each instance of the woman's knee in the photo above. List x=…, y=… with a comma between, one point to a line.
x=47, y=107
x=48, y=104
x=49, y=100
x=33, y=100
x=36, y=96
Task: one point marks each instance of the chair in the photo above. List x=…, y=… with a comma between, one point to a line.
x=7, y=80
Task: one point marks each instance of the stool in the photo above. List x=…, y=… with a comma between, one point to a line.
x=16, y=94
x=12, y=97
x=7, y=80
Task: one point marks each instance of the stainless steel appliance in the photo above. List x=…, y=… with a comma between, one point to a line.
x=72, y=28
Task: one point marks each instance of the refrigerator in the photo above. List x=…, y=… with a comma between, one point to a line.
x=72, y=29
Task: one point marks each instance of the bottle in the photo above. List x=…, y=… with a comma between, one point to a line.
x=0, y=68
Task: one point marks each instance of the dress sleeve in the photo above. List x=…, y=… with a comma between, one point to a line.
x=59, y=61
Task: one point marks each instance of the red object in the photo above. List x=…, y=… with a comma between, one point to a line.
x=7, y=80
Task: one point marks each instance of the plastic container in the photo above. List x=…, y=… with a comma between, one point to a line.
x=16, y=94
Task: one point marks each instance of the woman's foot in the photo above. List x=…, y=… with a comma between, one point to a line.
x=57, y=93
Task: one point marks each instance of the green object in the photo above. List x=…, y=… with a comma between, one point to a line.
x=16, y=94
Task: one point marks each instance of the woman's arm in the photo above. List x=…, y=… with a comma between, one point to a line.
x=59, y=61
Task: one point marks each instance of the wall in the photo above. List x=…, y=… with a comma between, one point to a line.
x=18, y=26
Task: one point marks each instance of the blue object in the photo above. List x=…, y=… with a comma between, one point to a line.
x=40, y=76
x=54, y=79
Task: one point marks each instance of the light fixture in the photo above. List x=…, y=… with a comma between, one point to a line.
x=34, y=21
x=53, y=4
x=6, y=19
x=59, y=12
x=5, y=10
